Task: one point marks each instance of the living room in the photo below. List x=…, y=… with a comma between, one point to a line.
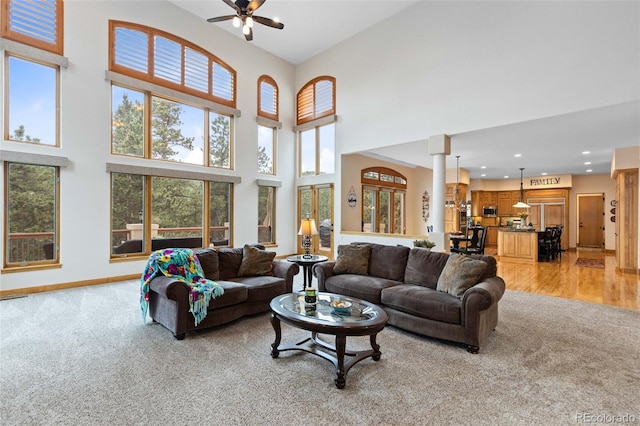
x=467, y=66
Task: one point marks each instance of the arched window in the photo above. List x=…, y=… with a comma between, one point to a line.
x=383, y=205
x=268, y=98
x=155, y=56
x=316, y=99
x=35, y=23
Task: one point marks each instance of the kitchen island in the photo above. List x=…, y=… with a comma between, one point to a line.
x=518, y=245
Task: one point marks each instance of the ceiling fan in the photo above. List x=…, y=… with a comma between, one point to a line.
x=244, y=15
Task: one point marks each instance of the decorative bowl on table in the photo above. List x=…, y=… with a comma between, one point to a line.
x=341, y=306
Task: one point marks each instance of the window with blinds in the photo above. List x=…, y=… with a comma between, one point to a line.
x=36, y=23
x=316, y=99
x=164, y=59
x=267, y=98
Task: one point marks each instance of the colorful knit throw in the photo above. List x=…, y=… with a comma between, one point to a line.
x=182, y=265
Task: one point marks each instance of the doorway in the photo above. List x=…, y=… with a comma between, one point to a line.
x=316, y=202
x=591, y=220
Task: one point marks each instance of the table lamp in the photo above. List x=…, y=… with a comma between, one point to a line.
x=307, y=229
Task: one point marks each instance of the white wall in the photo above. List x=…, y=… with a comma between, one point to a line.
x=85, y=137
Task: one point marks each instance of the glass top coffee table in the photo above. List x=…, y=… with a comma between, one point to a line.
x=361, y=319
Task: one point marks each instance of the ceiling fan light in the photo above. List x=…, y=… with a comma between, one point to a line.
x=249, y=22
x=236, y=22
x=246, y=30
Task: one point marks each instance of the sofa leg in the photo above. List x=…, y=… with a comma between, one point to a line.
x=180, y=336
x=473, y=349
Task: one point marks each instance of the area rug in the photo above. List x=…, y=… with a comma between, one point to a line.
x=82, y=356
x=590, y=262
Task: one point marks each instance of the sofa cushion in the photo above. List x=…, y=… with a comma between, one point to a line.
x=262, y=288
x=388, y=262
x=208, y=259
x=363, y=287
x=234, y=293
x=424, y=267
x=230, y=260
x=423, y=302
x=255, y=262
x=459, y=274
x=352, y=259
x=492, y=265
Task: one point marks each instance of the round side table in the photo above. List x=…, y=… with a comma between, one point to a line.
x=307, y=263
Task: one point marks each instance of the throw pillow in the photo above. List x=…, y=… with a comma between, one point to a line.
x=352, y=259
x=255, y=262
x=459, y=274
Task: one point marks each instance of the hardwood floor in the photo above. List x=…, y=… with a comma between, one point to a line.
x=562, y=278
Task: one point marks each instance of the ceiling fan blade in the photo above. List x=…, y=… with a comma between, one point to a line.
x=249, y=36
x=268, y=22
x=233, y=5
x=254, y=5
x=221, y=18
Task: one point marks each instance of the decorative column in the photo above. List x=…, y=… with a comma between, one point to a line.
x=439, y=148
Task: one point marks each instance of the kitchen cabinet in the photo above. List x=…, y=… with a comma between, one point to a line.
x=492, y=236
x=518, y=246
x=505, y=204
x=626, y=218
x=488, y=198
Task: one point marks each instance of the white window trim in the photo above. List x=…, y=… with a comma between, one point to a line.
x=34, y=53
x=267, y=122
x=316, y=123
x=170, y=173
x=135, y=83
x=35, y=159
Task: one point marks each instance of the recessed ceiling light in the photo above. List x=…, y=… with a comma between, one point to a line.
x=586, y=152
x=506, y=177
x=484, y=174
x=544, y=173
x=483, y=167
x=517, y=155
x=589, y=170
x=586, y=163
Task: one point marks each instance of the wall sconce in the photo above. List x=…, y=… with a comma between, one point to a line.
x=307, y=229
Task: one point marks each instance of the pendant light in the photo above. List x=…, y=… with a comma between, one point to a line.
x=521, y=204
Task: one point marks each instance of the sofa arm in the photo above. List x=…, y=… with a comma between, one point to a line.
x=323, y=271
x=484, y=294
x=170, y=288
x=287, y=270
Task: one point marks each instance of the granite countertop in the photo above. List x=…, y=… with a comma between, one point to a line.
x=512, y=229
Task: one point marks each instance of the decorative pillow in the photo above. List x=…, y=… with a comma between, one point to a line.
x=352, y=259
x=459, y=274
x=255, y=262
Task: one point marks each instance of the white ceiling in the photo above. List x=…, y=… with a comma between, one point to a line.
x=554, y=144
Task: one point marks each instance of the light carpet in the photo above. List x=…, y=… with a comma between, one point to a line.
x=83, y=356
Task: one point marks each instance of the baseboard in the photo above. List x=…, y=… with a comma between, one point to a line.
x=61, y=286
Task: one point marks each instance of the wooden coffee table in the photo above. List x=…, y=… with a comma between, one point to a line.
x=363, y=319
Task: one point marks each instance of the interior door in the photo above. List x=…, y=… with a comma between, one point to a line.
x=591, y=220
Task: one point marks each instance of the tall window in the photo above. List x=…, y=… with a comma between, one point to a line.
x=35, y=23
x=268, y=113
x=315, y=110
x=177, y=129
x=317, y=150
x=32, y=99
x=266, y=214
x=383, y=195
x=266, y=150
x=31, y=214
x=177, y=211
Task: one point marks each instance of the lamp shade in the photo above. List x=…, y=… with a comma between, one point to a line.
x=308, y=227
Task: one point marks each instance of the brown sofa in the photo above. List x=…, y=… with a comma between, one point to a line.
x=169, y=298
x=403, y=281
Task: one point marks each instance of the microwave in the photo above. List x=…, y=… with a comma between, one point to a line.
x=489, y=211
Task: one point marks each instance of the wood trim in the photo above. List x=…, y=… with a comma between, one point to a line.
x=149, y=75
x=57, y=47
x=62, y=286
x=269, y=80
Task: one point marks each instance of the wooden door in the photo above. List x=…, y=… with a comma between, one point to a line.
x=591, y=220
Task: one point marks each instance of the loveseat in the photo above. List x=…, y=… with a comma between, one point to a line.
x=250, y=277
x=461, y=307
